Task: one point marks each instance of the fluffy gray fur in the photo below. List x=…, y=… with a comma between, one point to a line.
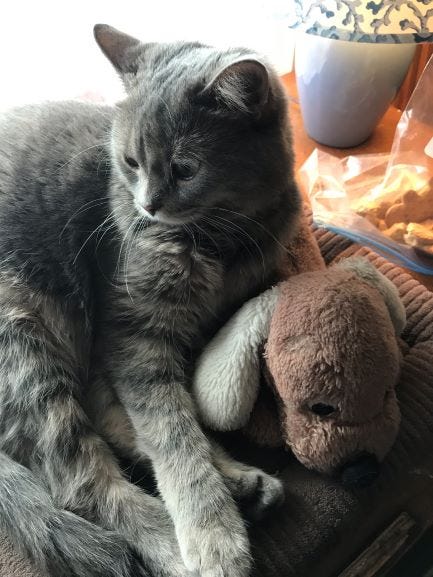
x=128, y=236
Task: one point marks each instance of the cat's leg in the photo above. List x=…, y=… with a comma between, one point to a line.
x=211, y=533
x=110, y=418
x=58, y=543
x=256, y=491
x=44, y=426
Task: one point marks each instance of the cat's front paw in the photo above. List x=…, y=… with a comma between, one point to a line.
x=260, y=493
x=255, y=491
x=216, y=547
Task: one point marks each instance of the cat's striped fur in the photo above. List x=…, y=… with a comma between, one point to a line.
x=104, y=306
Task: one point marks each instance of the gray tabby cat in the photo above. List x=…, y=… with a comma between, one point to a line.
x=128, y=236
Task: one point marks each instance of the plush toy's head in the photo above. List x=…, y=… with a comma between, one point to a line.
x=333, y=355
x=334, y=358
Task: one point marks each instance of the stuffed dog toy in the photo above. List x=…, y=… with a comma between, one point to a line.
x=313, y=364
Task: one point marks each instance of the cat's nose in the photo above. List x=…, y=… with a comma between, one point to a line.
x=150, y=209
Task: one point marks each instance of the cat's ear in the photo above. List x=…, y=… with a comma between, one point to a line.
x=122, y=50
x=242, y=86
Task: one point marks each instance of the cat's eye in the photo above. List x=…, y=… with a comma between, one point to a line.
x=131, y=162
x=322, y=409
x=183, y=170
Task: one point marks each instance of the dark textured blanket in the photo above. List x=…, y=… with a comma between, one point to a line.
x=323, y=526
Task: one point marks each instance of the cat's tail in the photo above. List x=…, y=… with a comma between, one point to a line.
x=57, y=542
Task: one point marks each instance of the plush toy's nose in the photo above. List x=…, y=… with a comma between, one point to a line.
x=360, y=472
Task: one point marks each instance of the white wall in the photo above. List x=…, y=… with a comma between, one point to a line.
x=47, y=49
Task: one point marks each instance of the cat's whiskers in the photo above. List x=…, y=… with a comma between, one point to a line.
x=121, y=224
x=102, y=145
x=129, y=248
x=207, y=235
x=116, y=219
x=233, y=227
x=95, y=202
x=257, y=223
x=218, y=227
x=113, y=224
x=136, y=220
x=95, y=231
x=191, y=236
x=228, y=233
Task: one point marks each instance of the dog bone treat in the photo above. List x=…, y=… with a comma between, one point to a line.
x=375, y=211
x=414, y=207
x=396, y=213
x=419, y=234
x=397, y=231
x=408, y=219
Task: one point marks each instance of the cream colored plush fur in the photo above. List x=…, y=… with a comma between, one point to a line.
x=227, y=374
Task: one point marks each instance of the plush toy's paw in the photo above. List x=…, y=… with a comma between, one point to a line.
x=256, y=491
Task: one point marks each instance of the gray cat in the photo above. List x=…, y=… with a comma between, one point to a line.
x=128, y=236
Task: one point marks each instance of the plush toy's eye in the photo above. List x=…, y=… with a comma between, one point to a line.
x=322, y=410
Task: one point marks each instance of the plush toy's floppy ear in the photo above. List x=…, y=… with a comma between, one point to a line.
x=369, y=273
x=227, y=374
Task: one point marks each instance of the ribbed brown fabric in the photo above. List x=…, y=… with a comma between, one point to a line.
x=322, y=526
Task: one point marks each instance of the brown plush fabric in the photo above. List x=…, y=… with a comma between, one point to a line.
x=332, y=341
x=323, y=526
x=11, y=564
x=303, y=253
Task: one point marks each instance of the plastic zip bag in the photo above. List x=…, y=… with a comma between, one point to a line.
x=384, y=201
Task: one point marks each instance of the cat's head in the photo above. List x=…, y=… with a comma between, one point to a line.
x=200, y=130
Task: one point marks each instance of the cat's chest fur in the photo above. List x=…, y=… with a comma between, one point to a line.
x=167, y=284
x=171, y=286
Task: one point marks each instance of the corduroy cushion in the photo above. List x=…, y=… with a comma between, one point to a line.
x=323, y=526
